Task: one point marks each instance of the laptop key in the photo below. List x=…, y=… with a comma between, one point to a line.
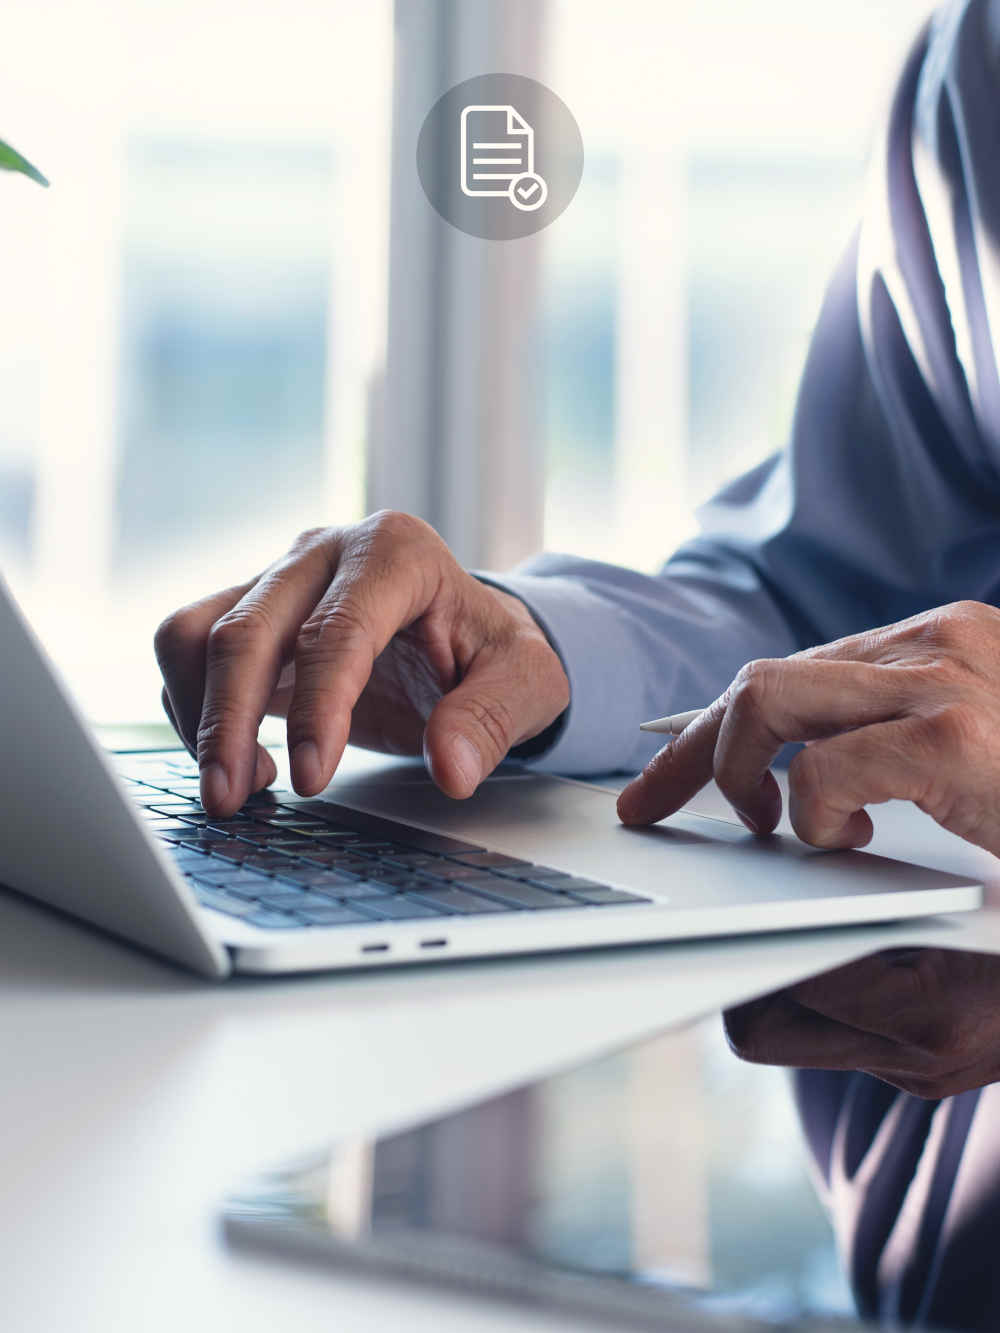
x=543, y=875
x=233, y=852
x=491, y=859
x=295, y=873
x=606, y=897
x=269, y=863
x=515, y=894
x=325, y=856
x=387, y=829
x=332, y=881
x=245, y=883
x=468, y=879
x=400, y=908
x=167, y=827
x=278, y=840
x=448, y=870
x=457, y=902
x=232, y=827
x=329, y=915
x=392, y=878
x=222, y=902
x=573, y=883
x=409, y=860
x=201, y=838
x=270, y=920
x=282, y=901
x=359, y=888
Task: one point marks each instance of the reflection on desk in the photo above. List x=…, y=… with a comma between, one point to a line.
x=671, y=1183
x=898, y=1057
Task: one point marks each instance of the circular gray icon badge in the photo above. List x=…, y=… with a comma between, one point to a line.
x=500, y=156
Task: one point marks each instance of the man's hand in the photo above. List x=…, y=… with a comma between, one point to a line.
x=911, y=711
x=925, y=1020
x=371, y=634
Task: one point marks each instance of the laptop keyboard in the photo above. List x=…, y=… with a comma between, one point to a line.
x=284, y=862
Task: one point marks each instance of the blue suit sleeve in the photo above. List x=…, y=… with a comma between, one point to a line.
x=885, y=500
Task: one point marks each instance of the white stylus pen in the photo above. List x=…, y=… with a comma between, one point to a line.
x=671, y=726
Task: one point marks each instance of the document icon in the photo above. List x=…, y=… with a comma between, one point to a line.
x=498, y=149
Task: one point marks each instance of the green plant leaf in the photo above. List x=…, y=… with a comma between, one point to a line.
x=13, y=161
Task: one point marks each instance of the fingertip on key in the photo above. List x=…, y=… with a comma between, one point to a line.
x=214, y=787
x=307, y=773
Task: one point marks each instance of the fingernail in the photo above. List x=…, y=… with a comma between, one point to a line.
x=306, y=772
x=754, y=828
x=466, y=759
x=214, y=786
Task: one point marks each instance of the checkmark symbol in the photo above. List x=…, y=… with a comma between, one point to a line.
x=526, y=191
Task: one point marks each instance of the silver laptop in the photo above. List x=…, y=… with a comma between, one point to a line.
x=383, y=869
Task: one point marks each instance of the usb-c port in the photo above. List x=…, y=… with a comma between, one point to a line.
x=433, y=944
x=374, y=948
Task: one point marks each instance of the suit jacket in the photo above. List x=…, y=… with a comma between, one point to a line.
x=886, y=499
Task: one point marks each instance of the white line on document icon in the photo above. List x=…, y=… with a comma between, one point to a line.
x=498, y=157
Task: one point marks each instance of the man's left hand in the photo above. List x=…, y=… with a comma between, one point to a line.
x=925, y=1020
x=910, y=711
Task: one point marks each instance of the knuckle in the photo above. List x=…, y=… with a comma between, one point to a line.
x=173, y=636
x=948, y=627
x=955, y=730
x=967, y=611
x=393, y=525
x=215, y=725
x=329, y=626
x=754, y=684
x=309, y=538
x=942, y=1034
x=236, y=631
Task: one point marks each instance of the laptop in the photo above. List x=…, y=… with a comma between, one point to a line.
x=383, y=869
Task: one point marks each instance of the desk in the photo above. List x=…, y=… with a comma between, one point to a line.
x=134, y=1096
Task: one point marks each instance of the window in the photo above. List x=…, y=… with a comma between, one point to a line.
x=192, y=314
x=726, y=152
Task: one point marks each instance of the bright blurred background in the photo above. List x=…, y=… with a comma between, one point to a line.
x=215, y=321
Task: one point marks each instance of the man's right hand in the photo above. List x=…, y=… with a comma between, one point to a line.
x=371, y=634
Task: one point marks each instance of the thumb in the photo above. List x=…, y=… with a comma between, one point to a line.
x=499, y=704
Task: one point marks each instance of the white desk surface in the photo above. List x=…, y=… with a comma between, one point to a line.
x=134, y=1096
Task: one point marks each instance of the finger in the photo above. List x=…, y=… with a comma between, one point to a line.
x=775, y=702
x=246, y=650
x=265, y=770
x=382, y=585
x=675, y=773
x=497, y=705
x=179, y=644
x=870, y=994
x=832, y=781
x=778, y=1031
x=168, y=709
